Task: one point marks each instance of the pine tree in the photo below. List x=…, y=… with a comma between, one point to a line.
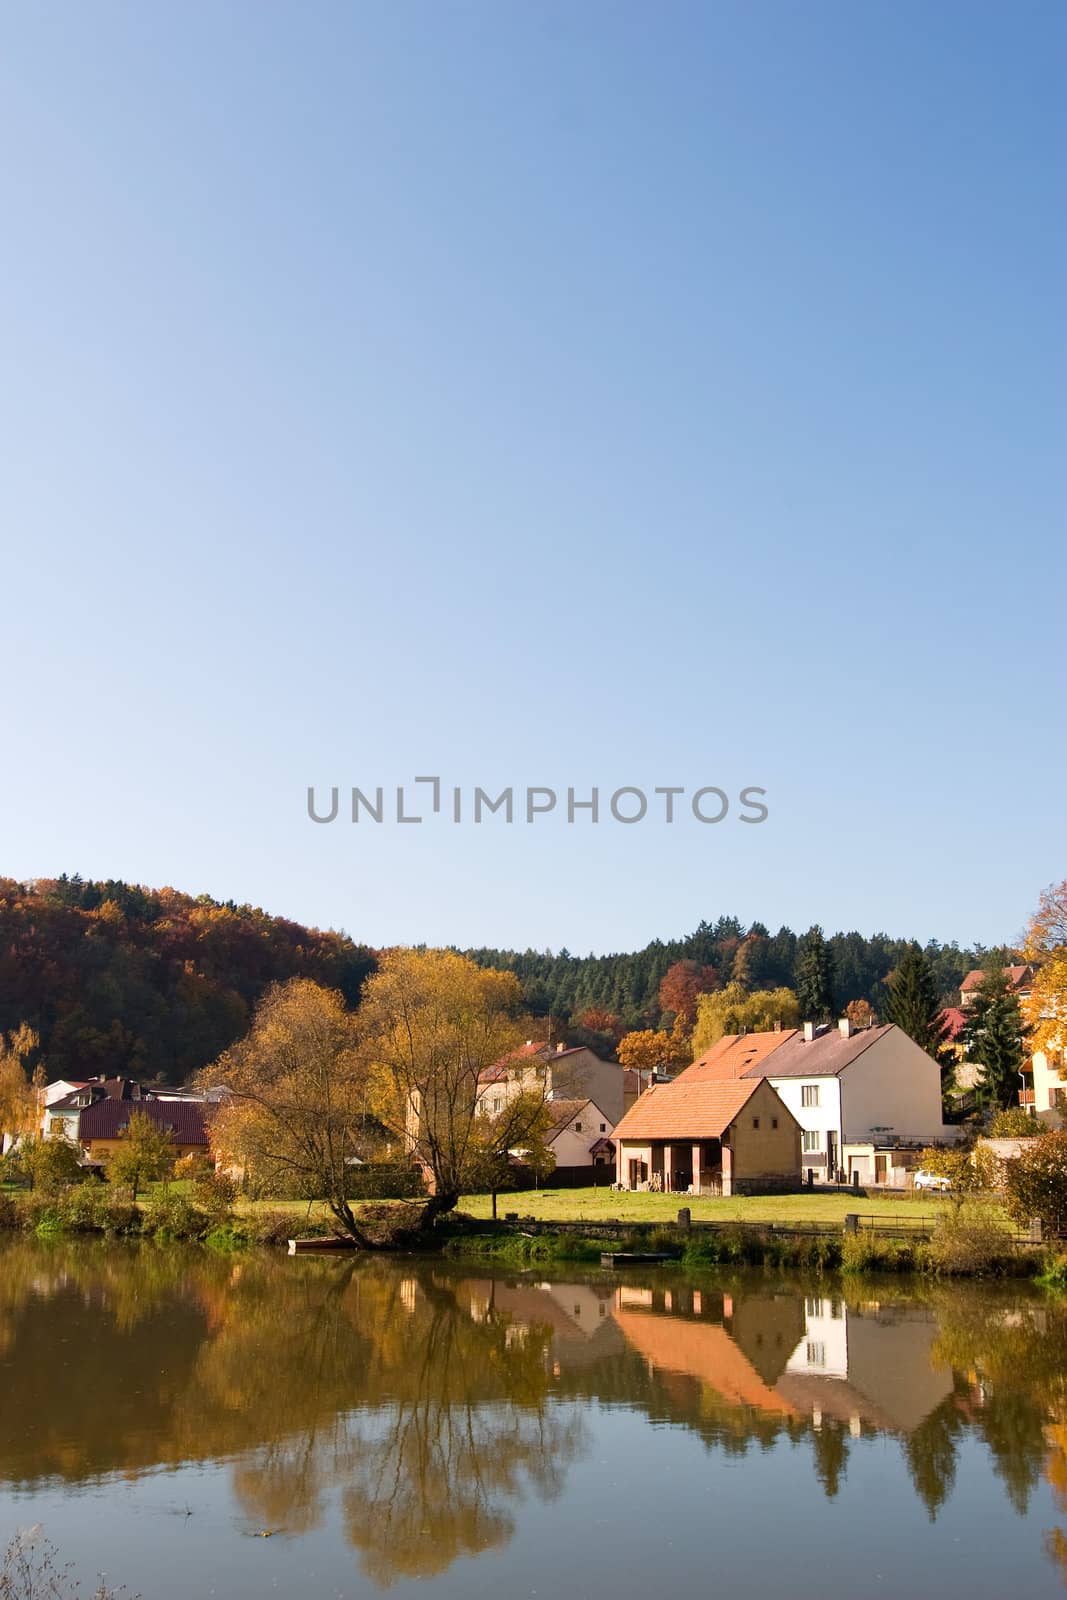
x=995, y=1037
x=815, y=976
x=914, y=1004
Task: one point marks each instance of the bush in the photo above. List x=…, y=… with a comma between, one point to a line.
x=971, y=1242
x=216, y=1192
x=172, y=1219
x=1036, y=1182
x=866, y=1252
x=1015, y=1123
x=193, y=1167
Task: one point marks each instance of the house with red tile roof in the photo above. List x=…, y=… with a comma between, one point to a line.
x=1020, y=980
x=709, y=1136
x=103, y=1124
x=867, y=1100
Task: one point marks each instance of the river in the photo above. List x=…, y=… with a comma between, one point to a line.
x=439, y=1429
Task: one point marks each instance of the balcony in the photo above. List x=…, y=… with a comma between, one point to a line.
x=1026, y=1097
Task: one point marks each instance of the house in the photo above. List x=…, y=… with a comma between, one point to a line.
x=102, y=1125
x=866, y=1100
x=62, y=1111
x=709, y=1136
x=1046, y=1091
x=1020, y=981
x=581, y=1134
x=562, y=1072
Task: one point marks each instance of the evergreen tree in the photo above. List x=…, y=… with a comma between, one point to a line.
x=914, y=1004
x=815, y=976
x=994, y=1037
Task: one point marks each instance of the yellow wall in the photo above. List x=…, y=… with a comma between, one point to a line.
x=765, y=1151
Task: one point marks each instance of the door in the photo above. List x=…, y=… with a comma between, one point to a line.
x=831, y=1156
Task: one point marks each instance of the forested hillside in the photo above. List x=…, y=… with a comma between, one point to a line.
x=149, y=983
x=154, y=983
x=628, y=986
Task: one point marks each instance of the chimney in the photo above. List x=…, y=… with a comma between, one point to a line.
x=777, y=1024
x=844, y=1028
x=809, y=1032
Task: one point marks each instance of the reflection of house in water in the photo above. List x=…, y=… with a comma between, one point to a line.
x=779, y=1354
x=872, y=1366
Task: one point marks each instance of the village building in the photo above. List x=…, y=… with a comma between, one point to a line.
x=560, y=1071
x=867, y=1100
x=103, y=1124
x=709, y=1137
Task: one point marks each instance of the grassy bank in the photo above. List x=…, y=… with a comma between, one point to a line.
x=607, y=1205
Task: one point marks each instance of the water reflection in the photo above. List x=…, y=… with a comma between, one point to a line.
x=429, y=1401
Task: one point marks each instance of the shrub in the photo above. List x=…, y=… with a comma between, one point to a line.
x=216, y=1192
x=227, y=1236
x=278, y=1227
x=1015, y=1123
x=1036, y=1182
x=866, y=1252
x=969, y=1241
x=173, y=1218
x=193, y=1167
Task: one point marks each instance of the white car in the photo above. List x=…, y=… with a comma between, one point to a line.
x=931, y=1180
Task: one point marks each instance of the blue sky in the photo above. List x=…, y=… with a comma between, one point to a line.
x=545, y=394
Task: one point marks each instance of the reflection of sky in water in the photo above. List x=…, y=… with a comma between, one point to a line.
x=434, y=1429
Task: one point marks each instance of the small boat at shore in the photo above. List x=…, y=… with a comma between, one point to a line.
x=328, y=1245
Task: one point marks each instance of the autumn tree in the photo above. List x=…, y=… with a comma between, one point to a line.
x=859, y=1013
x=503, y=1141
x=1036, y=1182
x=733, y=1009
x=296, y=1113
x=654, y=1049
x=914, y=1005
x=49, y=1163
x=994, y=1037
x=144, y=1154
x=815, y=976
x=1045, y=1009
x=680, y=986
x=18, y=1090
x=433, y=1022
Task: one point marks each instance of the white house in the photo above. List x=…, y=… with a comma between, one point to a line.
x=581, y=1134
x=866, y=1100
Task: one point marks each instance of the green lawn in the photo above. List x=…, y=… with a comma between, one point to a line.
x=606, y=1205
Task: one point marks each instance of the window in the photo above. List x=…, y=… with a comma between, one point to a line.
x=577, y=1127
x=755, y=1122
x=816, y=1353
x=603, y=1127
x=809, y=1094
x=812, y=1140
x=774, y=1122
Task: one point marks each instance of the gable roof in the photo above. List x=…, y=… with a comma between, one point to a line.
x=108, y=1119
x=694, y=1110
x=955, y=1021
x=564, y=1112
x=825, y=1056
x=1019, y=977
x=734, y=1055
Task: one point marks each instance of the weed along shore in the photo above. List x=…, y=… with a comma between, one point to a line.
x=970, y=1241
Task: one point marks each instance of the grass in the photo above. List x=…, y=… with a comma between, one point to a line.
x=606, y=1205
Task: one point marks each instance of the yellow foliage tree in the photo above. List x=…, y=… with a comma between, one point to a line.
x=432, y=1022
x=654, y=1049
x=18, y=1092
x=732, y=1009
x=1045, y=1008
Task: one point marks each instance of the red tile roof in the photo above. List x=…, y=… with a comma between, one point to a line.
x=107, y=1119
x=734, y=1055
x=1018, y=977
x=698, y=1109
x=955, y=1021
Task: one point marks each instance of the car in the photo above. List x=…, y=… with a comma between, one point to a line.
x=931, y=1180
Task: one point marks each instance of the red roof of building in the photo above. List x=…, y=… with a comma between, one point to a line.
x=734, y=1055
x=1018, y=977
x=108, y=1119
x=697, y=1109
x=955, y=1021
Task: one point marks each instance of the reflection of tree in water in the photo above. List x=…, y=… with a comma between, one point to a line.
x=430, y=1421
x=831, y=1457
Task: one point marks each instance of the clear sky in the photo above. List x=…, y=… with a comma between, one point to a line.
x=557, y=394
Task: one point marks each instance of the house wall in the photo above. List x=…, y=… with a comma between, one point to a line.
x=582, y=1075
x=893, y=1085
x=102, y=1149
x=571, y=1148
x=632, y=1150
x=823, y=1119
x=1050, y=1076
x=764, y=1152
